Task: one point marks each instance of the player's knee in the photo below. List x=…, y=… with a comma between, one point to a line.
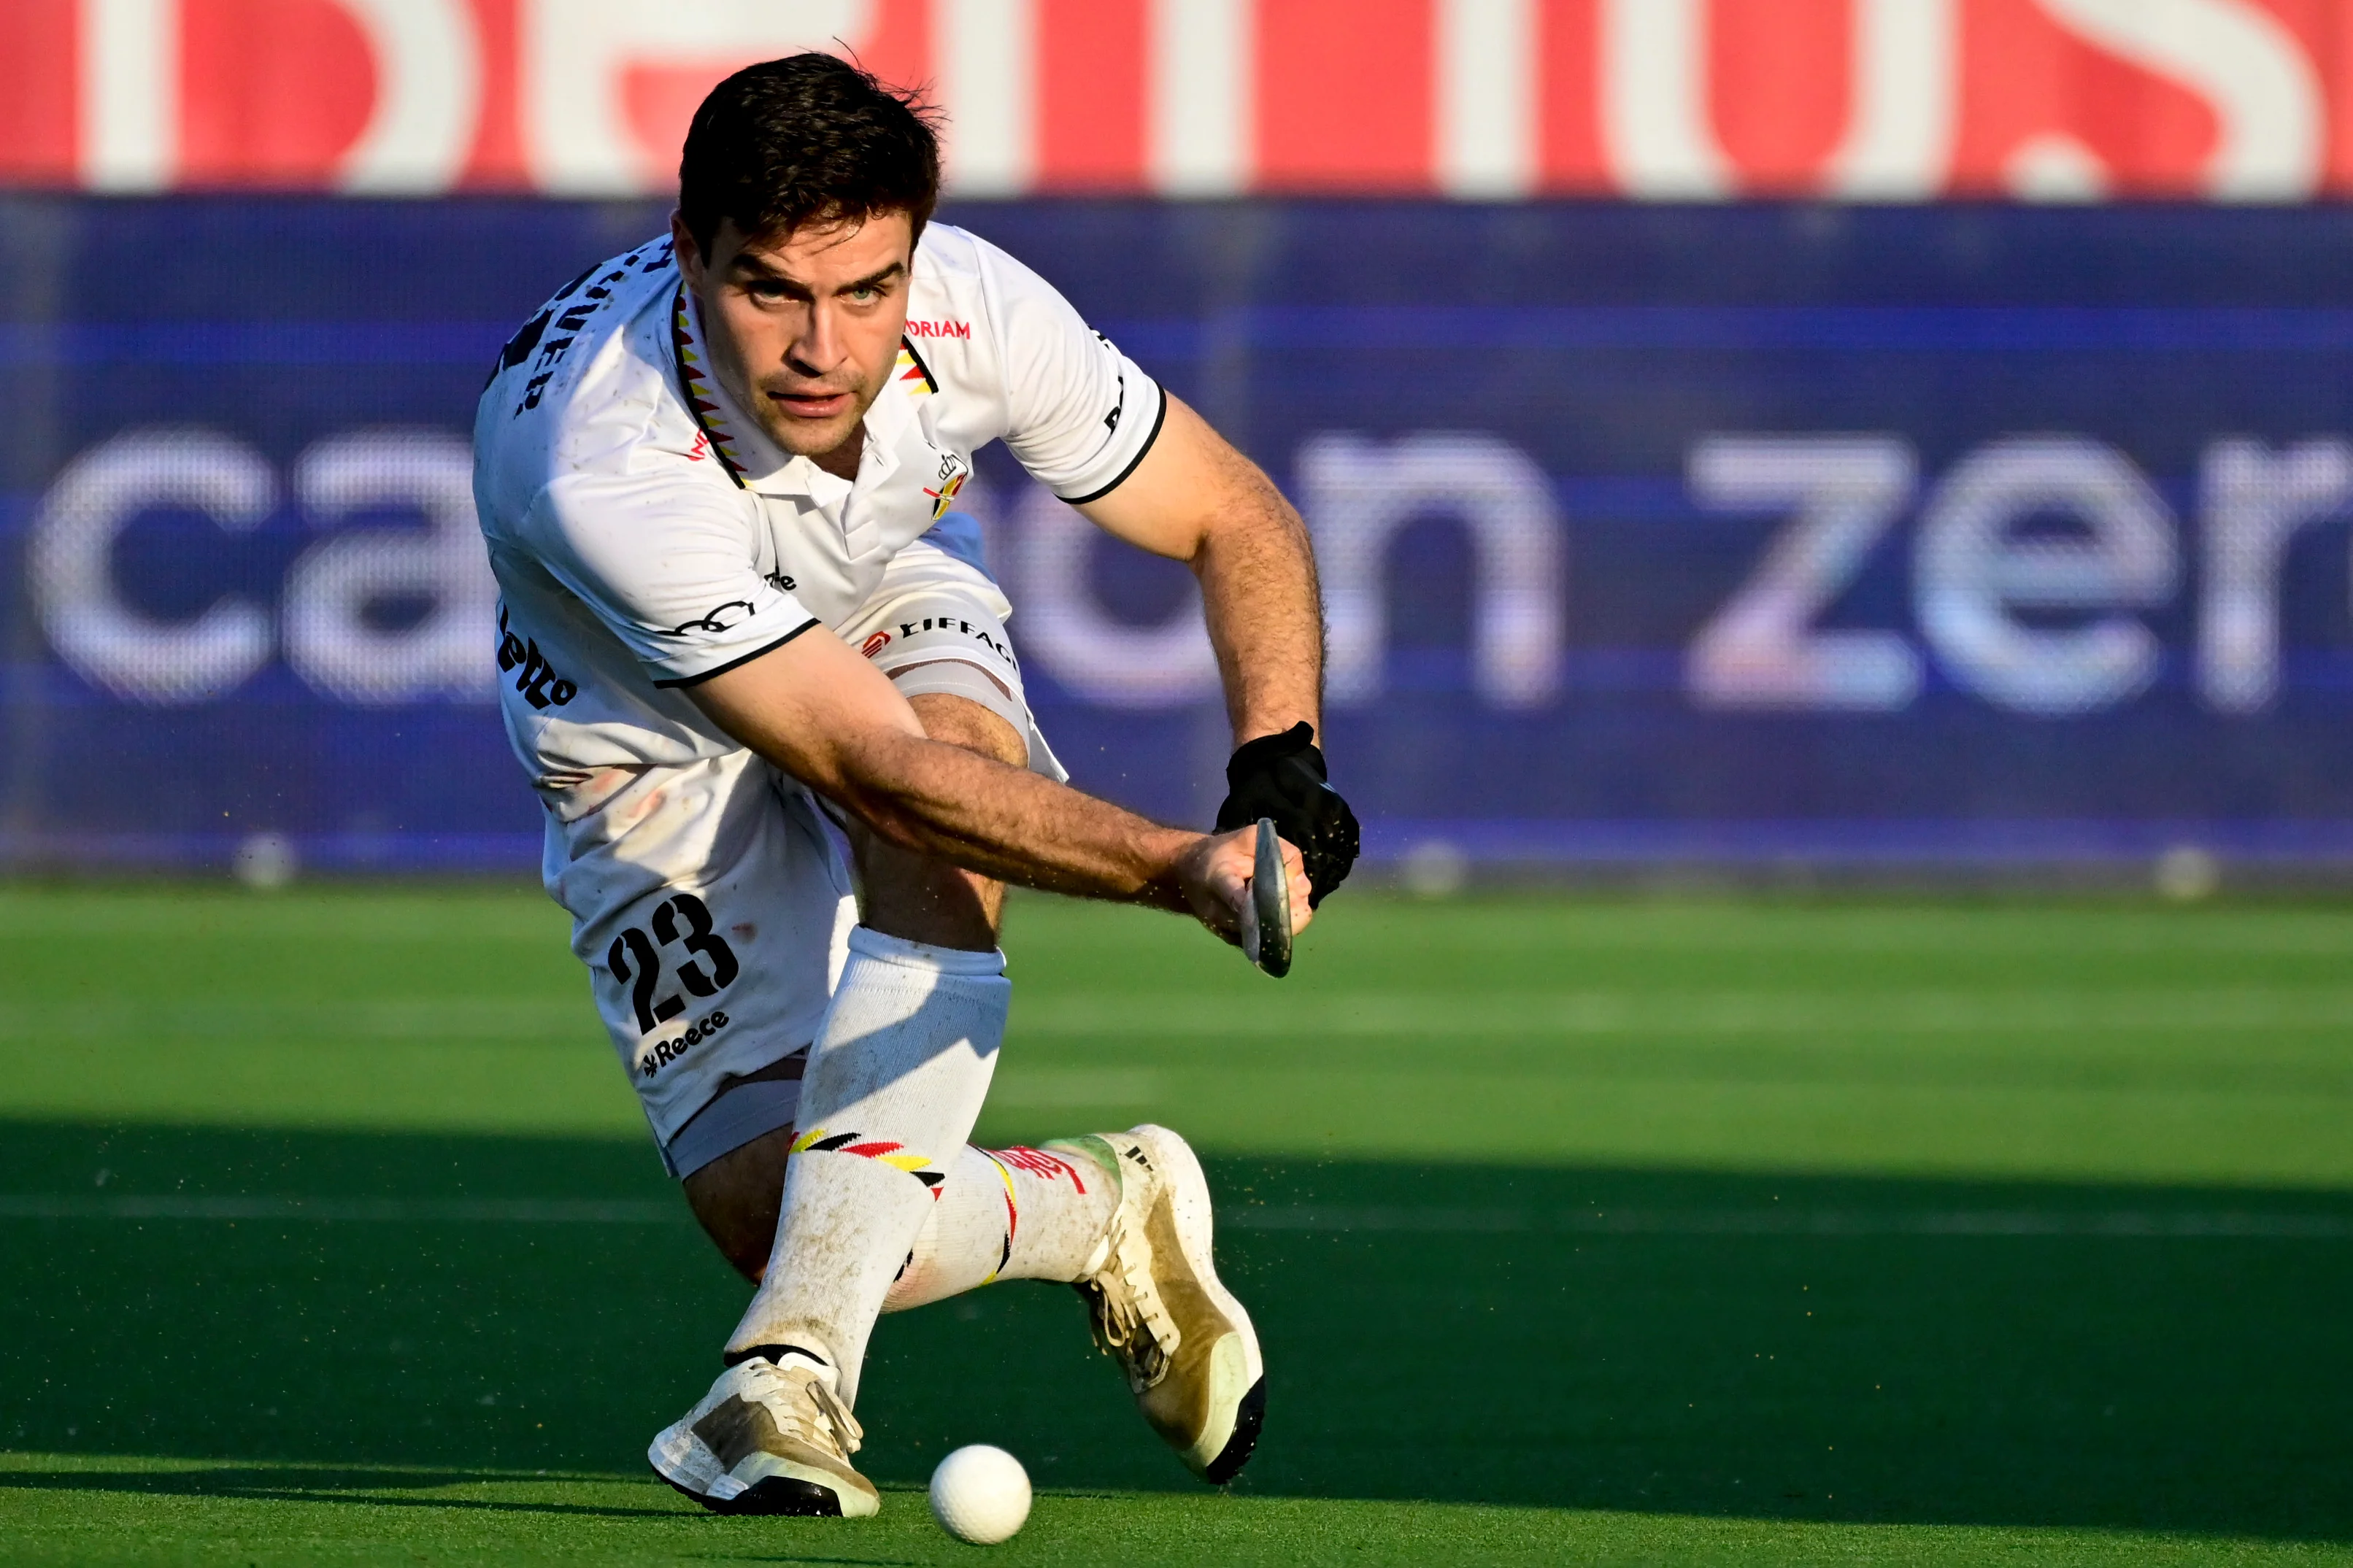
x=750, y=1261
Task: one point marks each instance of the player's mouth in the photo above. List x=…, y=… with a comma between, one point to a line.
x=811, y=405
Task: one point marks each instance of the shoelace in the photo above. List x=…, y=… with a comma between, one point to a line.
x=789, y=1401
x=1130, y=1321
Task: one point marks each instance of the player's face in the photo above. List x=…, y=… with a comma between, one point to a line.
x=805, y=326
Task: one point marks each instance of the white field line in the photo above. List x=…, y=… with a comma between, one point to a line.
x=1833, y=1015
x=2193, y=1224
x=1800, y=1221
x=534, y=1022
x=398, y=1211
x=527, y=1021
x=1674, y=929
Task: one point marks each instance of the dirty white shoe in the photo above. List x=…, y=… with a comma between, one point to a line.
x=1186, y=1346
x=770, y=1437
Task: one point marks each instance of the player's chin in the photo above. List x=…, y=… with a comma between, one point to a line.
x=806, y=436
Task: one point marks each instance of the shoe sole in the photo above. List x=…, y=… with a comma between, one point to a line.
x=777, y=1496
x=1248, y=1419
x=1238, y=1393
x=788, y=1494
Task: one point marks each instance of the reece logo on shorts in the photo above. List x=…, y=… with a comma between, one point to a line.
x=662, y=1053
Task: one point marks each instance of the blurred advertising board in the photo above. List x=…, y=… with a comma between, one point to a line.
x=1863, y=536
x=1654, y=99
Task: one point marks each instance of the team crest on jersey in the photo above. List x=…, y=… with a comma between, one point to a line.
x=942, y=492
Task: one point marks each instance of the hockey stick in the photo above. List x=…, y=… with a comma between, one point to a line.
x=1266, y=919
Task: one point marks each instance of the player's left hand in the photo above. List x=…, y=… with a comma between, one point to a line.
x=1216, y=875
x=1282, y=776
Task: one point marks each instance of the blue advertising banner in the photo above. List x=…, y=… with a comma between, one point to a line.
x=1892, y=537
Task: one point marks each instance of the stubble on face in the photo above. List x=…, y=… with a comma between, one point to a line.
x=804, y=328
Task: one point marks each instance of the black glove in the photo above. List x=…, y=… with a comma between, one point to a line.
x=1281, y=777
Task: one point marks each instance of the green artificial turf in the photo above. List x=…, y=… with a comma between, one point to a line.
x=1593, y=1231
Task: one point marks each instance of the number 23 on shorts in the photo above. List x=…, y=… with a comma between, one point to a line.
x=636, y=960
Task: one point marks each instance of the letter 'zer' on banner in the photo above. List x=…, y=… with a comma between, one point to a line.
x=1266, y=919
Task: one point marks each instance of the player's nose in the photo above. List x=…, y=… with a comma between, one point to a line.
x=820, y=348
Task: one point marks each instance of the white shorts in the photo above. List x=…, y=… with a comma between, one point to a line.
x=936, y=623
x=712, y=902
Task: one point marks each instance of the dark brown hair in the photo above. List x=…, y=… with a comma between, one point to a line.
x=808, y=138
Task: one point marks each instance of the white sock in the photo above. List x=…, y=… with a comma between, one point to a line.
x=893, y=1085
x=1008, y=1214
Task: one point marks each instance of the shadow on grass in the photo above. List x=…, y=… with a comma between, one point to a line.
x=376, y=1488
x=1837, y=1349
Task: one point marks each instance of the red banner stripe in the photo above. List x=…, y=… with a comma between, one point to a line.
x=2241, y=99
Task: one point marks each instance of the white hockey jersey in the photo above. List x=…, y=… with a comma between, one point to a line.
x=645, y=535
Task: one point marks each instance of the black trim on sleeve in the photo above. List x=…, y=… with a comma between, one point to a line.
x=1158, y=419
x=733, y=663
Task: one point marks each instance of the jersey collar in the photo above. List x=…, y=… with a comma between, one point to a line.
x=741, y=446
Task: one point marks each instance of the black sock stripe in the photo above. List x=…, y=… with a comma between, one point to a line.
x=773, y=1354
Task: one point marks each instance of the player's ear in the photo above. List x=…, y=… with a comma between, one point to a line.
x=690, y=254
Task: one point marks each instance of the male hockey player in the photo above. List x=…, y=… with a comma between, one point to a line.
x=715, y=476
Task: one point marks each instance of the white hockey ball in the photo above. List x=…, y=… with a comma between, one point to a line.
x=980, y=1494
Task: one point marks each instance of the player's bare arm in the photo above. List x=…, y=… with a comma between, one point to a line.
x=1195, y=499
x=830, y=719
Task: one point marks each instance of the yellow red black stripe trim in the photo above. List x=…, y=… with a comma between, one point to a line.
x=701, y=395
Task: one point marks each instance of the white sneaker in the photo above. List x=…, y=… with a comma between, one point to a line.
x=1186, y=1346
x=771, y=1438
